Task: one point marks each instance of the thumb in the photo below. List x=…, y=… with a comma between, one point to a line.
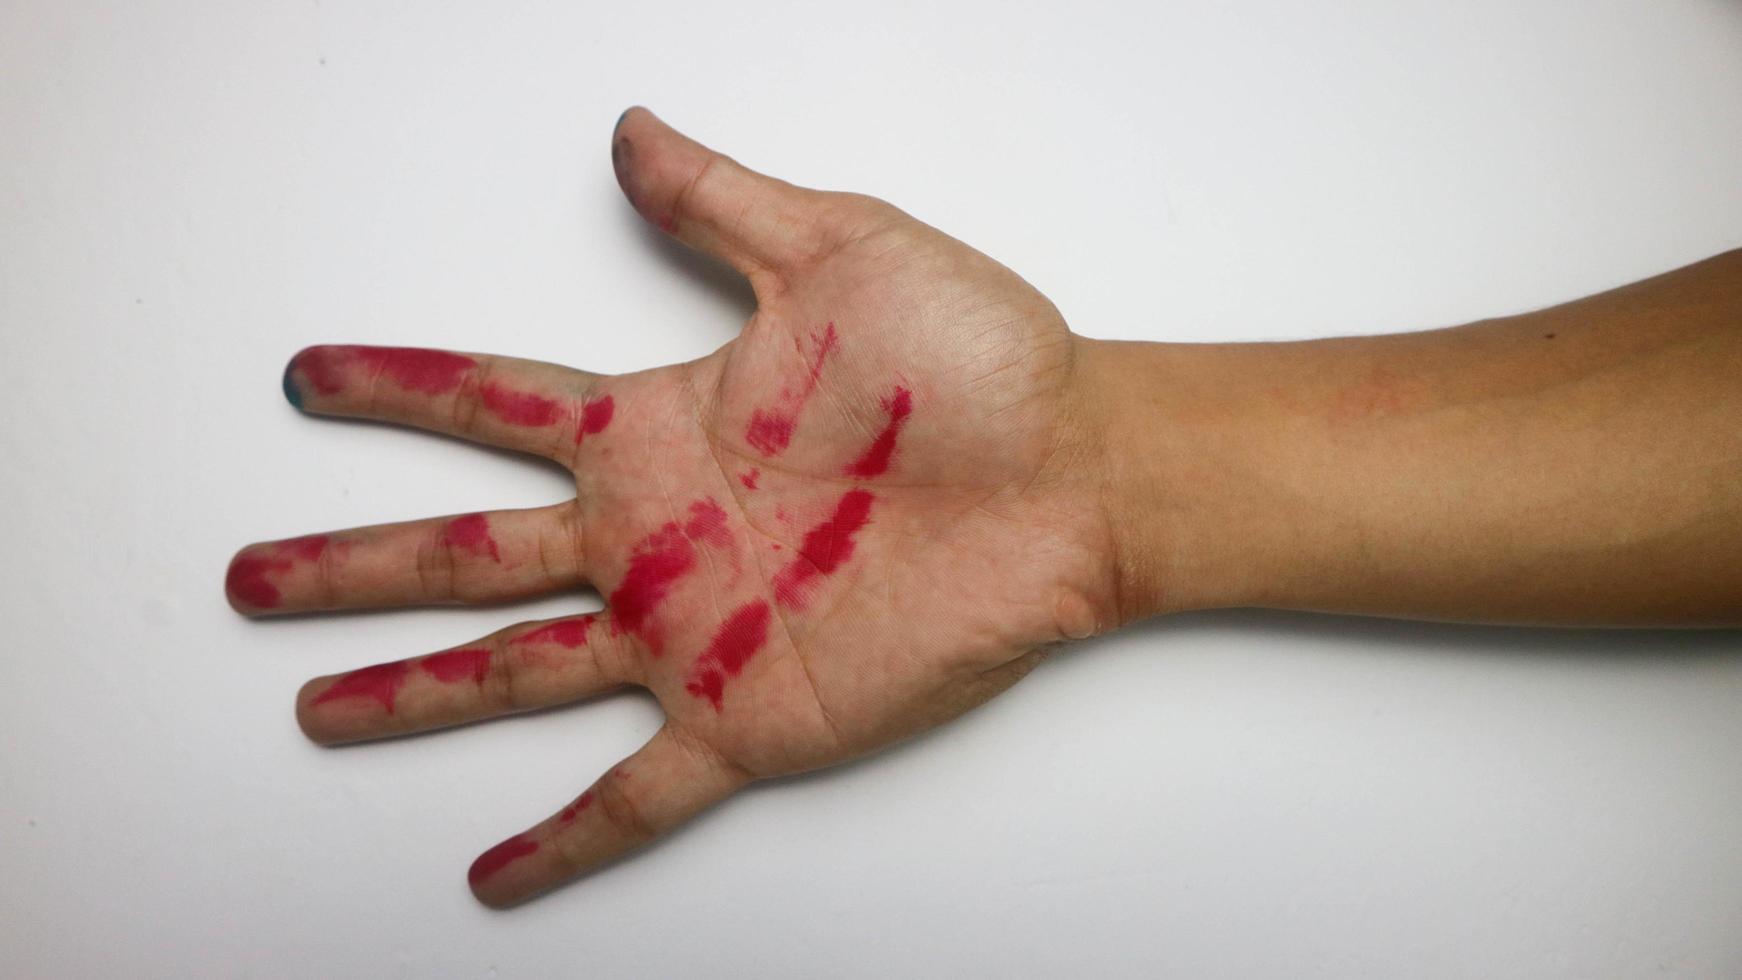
x=710, y=201
x=669, y=780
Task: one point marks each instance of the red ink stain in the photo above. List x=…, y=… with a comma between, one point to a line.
x=708, y=523
x=500, y=856
x=575, y=809
x=770, y=432
x=825, y=548
x=431, y=372
x=736, y=641
x=770, y=429
x=247, y=578
x=876, y=458
x=381, y=682
x=668, y=224
x=471, y=533
x=457, y=665
x=520, y=407
x=569, y=633
x=595, y=416
x=657, y=562
x=749, y=478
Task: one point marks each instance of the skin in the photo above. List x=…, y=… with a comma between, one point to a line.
x=1032, y=487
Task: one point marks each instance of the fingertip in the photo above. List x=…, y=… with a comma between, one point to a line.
x=497, y=878
x=292, y=393
x=246, y=595
x=306, y=716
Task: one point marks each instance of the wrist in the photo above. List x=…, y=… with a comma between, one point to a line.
x=1177, y=514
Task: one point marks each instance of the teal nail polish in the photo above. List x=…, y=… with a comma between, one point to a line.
x=292, y=393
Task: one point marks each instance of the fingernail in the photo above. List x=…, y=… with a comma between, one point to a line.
x=292, y=393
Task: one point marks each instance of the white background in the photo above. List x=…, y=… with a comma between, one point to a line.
x=191, y=192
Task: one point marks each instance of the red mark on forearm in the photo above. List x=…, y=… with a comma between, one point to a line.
x=381, y=682
x=825, y=548
x=876, y=458
x=595, y=416
x=735, y=642
x=749, y=478
x=500, y=856
x=247, y=578
x=519, y=407
x=457, y=665
x=431, y=372
x=575, y=809
x=471, y=533
x=770, y=429
x=569, y=633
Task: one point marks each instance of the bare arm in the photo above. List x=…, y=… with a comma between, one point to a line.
x=1576, y=465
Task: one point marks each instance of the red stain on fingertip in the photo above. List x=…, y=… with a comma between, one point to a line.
x=380, y=682
x=247, y=579
x=734, y=643
x=875, y=460
x=569, y=633
x=749, y=478
x=519, y=407
x=500, y=856
x=430, y=372
x=471, y=533
x=825, y=548
x=454, y=666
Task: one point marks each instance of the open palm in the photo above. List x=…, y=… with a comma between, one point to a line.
x=868, y=513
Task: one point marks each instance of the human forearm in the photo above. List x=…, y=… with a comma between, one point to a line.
x=1580, y=464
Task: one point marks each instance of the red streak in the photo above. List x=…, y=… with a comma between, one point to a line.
x=457, y=665
x=471, y=533
x=737, y=640
x=657, y=562
x=570, y=633
x=770, y=429
x=825, y=548
x=520, y=407
x=708, y=523
x=381, y=682
x=655, y=565
x=575, y=809
x=749, y=478
x=247, y=578
x=500, y=856
x=431, y=372
x=595, y=416
x=877, y=455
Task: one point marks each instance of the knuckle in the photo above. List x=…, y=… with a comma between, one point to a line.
x=436, y=566
x=626, y=815
x=504, y=684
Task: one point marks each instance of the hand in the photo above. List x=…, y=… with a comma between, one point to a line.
x=872, y=511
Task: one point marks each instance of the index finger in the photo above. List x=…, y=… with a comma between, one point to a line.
x=527, y=406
